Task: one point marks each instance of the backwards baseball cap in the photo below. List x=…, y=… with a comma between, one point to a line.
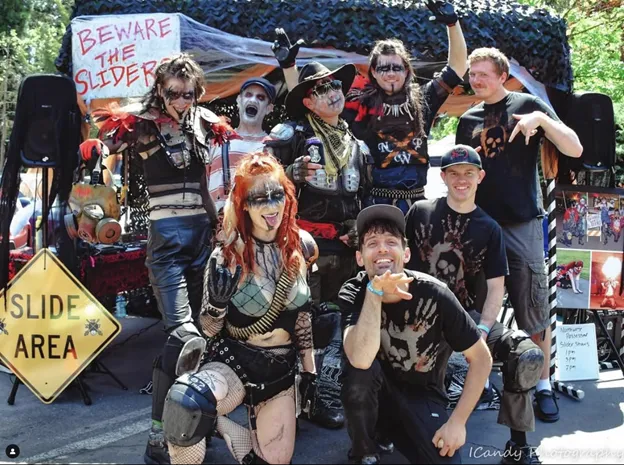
x=266, y=85
x=460, y=155
x=380, y=212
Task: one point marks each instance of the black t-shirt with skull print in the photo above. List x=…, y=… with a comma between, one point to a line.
x=509, y=191
x=456, y=248
x=417, y=335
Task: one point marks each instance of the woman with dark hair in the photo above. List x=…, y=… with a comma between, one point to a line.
x=256, y=314
x=393, y=114
x=172, y=136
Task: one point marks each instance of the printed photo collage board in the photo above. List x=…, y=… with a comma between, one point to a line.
x=590, y=247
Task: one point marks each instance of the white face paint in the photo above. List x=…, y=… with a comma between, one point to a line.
x=253, y=105
x=178, y=96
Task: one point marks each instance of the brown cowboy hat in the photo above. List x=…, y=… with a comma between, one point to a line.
x=308, y=77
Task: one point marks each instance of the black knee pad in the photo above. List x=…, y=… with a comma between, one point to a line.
x=522, y=361
x=176, y=340
x=190, y=411
x=161, y=382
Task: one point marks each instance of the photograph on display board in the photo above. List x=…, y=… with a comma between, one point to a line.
x=606, y=273
x=572, y=220
x=604, y=227
x=572, y=280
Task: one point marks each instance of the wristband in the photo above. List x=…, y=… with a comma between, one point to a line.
x=451, y=25
x=484, y=328
x=370, y=287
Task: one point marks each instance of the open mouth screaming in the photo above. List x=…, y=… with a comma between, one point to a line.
x=251, y=110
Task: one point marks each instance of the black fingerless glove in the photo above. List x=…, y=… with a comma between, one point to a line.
x=221, y=284
x=443, y=12
x=284, y=51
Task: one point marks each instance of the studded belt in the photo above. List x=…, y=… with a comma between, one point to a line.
x=398, y=194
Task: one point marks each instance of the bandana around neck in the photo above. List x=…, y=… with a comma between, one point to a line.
x=337, y=141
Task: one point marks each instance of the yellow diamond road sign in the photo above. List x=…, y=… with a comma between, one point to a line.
x=51, y=327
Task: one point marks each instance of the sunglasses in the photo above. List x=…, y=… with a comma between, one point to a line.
x=173, y=95
x=323, y=89
x=388, y=68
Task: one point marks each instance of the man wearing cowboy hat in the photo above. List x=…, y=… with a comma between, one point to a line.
x=325, y=162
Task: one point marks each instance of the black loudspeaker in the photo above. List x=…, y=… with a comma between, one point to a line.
x=591, y=116
x=48, y=109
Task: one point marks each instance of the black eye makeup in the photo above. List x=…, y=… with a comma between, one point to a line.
x=388, y=68
x=173, y=95
x=268, y=195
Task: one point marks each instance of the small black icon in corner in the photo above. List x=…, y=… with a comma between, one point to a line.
x=12, y=451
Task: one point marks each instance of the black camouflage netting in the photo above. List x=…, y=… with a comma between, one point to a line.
x=534, y=37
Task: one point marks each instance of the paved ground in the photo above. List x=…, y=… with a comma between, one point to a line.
x=566, y=298
x=114, y=428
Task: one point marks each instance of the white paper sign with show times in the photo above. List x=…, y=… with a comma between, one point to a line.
x=115, y=56
x=577, y=353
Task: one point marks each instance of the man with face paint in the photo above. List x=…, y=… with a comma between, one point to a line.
x=325, y=161
x=173, y=137
x=510, y=193
x=393, y=114
x=255, y=100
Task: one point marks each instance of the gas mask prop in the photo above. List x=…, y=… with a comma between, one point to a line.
x=94, y=215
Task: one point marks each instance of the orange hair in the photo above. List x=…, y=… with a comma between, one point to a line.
x=237, y=223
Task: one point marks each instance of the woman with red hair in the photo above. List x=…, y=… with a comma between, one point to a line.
x=256, y=313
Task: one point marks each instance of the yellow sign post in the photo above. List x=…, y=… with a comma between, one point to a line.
x=51, y=327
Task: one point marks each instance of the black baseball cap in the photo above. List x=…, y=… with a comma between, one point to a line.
x=461, y=155
x=266, y=85
x=380, y=212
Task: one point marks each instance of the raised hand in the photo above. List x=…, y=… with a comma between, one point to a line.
x=443, y=12
x=284, y=51
x=303, y=170
x=221, y=284
x=392, y=283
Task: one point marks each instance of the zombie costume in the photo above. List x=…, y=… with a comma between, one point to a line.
x=400, y=159
x=253, y=104
x=328, y=206
x=402, y=396
x=270, y=299
x=458, y=249
x=173, y=155
x=510, y=194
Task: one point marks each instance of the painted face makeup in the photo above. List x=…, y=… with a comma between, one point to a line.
x=253, y=105
x=265, y=203
x=390, y=73
x=326, y=98
x=178, y=96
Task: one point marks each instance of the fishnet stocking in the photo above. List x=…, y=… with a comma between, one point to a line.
x=210, y=325
x=237, y=437
x=235, y=389
x=290, y=392
x=303, y=331
x=193, y=454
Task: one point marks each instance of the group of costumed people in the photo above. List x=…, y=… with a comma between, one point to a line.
x=252, y=237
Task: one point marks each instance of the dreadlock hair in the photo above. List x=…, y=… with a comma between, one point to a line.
x=181, y=67
x=237, y=223
x=374, y=97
